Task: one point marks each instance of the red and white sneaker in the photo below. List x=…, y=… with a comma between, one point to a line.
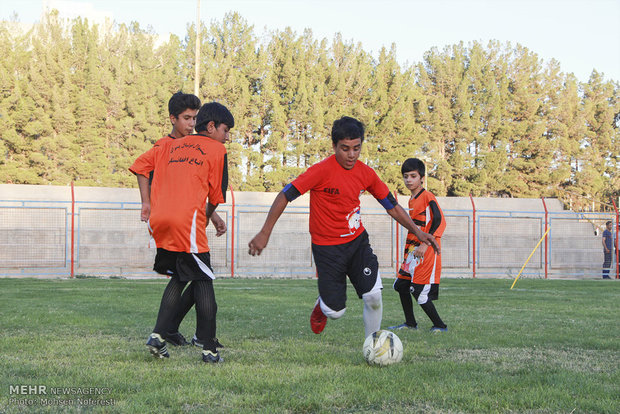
x=318, y=320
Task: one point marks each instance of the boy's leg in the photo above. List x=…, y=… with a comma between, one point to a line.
x=373, y=309
x=403, y=287
x=187, y=301
x=197, y=268
x=431, y=312
x=425, y=294
x=206, y=311
x=169, y=306
x=363, y=271
x=331, y=271
x=167, y=310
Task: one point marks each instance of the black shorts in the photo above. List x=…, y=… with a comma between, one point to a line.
x=185, y=266
x=334, y=263
x=424, y=293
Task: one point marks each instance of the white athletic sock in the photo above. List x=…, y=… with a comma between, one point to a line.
x=373, y=312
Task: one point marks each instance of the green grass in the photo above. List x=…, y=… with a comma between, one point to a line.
x=543, y=347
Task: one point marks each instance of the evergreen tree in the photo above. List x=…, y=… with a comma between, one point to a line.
x=232, y=71
x=79, y=102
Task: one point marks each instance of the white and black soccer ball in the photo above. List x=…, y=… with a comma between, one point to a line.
x=383, y=348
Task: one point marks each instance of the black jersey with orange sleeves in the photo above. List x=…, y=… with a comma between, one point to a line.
x=335, y=199
x=427, y=215
x=189, y=172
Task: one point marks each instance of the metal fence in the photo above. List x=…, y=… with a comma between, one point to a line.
x=39, y=238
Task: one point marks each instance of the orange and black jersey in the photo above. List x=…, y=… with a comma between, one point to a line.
x=189, y=172
x=427, y=215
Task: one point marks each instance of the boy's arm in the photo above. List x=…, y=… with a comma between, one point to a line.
x=210, y=210
x=220, y=225
x=437, y=217
x=401, y=216
x=145, y=196
x=259, y=242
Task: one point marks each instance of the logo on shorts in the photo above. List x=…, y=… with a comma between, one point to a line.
x=367, y=271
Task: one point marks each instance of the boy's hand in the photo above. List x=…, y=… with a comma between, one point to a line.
x=420, y=250
x=145, y=212
x=219, y=224
x=428, y=239
x=257, y=244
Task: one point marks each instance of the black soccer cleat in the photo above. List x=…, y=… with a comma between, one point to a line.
x=157, y=346
x=402, y=326
x=198, y=343
x=435, y=329
x=211, y=358
x=175, y=339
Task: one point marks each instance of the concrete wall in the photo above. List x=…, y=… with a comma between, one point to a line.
x=21, y=192
x=35, y=236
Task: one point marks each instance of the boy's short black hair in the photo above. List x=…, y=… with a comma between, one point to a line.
x=216, y=112
x=608, y=222
x=180, y=101
x=413, y=164
x=347, y=128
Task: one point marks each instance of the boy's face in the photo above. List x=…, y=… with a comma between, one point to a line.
x=608, y=226
x=220, y=134
x=186, y=121
x=347, y=152
x=413, y=181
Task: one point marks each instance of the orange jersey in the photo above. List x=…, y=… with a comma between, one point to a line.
x=162, y=141
x=427, y=215
x=335, y=199
x=159, y=142
x=189, y=172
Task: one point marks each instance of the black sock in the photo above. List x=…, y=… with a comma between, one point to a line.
x=407, y=304
x=431, y=312
x=402, y=286
x=206, y=310
x=169, y=306
x=187, y=301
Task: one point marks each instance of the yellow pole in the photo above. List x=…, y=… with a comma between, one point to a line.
x=528, y=259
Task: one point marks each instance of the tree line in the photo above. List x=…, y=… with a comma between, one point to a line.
x=79, y=102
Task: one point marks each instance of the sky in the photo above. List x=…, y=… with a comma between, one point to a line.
x=581, y=34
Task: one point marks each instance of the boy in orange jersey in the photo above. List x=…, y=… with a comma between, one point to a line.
x=419, y=261
x=182, y=110
x=340, y=245
x=190, y=180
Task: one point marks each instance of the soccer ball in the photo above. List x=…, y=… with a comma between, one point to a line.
x=383, y=348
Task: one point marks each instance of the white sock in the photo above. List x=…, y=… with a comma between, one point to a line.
x=373, y=312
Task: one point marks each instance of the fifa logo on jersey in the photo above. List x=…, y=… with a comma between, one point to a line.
x=332, y=191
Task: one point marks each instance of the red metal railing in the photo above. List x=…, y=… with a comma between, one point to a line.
x=546, y=237
x=473, y=206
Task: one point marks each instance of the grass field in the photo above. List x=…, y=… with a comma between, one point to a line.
x=543, y=347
